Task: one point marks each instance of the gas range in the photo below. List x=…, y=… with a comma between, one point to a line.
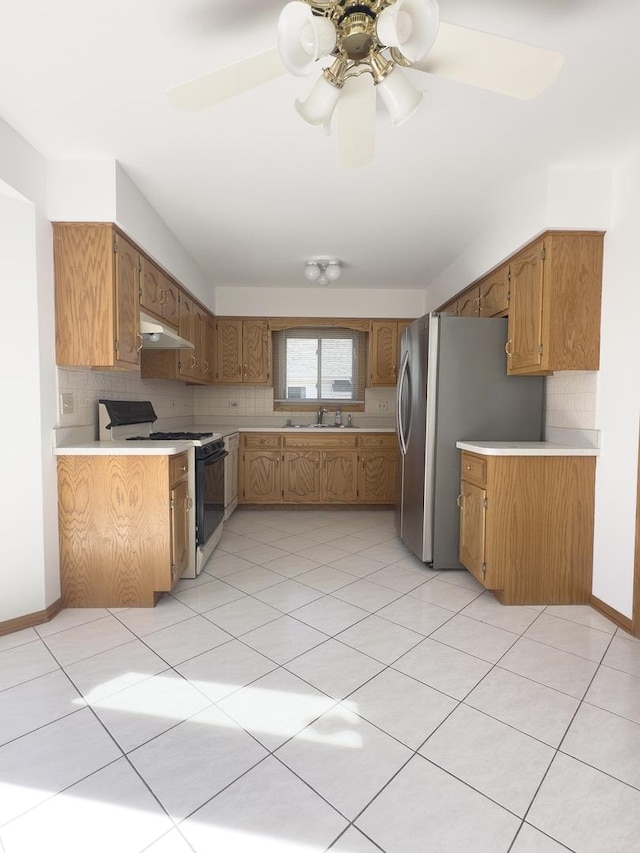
x=132, y=420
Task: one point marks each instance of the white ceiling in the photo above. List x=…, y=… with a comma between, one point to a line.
x=250, y=190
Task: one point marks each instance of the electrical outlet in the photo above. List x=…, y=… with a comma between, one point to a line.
x=383, y=406
x=66, y=404
x=233, y=404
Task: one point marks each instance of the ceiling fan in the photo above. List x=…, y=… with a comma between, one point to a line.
x=361, y=46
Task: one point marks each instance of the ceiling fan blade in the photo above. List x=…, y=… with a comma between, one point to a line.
x=227, y=82
x=491, y=62
x=356, y=113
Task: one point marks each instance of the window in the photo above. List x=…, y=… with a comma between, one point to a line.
x=319, y=365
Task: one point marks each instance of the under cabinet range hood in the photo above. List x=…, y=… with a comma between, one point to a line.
x=156, y=336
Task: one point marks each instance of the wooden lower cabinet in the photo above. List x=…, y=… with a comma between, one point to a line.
x=305, y=468
x=261, y=477
x=301, y=476
x=526, y=526
x=124, y=528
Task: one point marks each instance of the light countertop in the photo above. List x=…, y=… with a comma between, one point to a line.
x=524, y=448
x=227, y=430
x=124, y=448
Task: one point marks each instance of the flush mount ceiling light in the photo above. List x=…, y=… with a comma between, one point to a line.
x=322, y=270
x=360, y=46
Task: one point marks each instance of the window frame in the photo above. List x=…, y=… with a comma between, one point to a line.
x=311, y=330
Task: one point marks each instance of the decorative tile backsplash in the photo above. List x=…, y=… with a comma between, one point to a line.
x=255, y=401
x=172, y=401
x=570, y=400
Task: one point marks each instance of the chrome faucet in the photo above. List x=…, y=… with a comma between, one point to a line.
x=321, y=412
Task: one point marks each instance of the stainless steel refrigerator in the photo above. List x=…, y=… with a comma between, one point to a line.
x=453, y=386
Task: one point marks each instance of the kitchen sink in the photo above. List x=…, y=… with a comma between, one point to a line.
x=317, y=426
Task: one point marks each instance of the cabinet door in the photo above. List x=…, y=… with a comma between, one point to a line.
x=151, y=288
x=179, y=530
x=494, y=293
x=187, y=330
x=524, y=347
x=170, y=302
x=339, y=480
x=255, y=352
x=301, y=477
x=261, y=477
x=127, y=342
x=229, y=351
x=383, y=348
x=208, y=353
x=472, y=529
x=377, y=477
x=468, y=303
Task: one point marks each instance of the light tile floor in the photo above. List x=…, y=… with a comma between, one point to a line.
x=317, y=688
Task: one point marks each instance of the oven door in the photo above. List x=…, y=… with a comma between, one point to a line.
x=209, y=495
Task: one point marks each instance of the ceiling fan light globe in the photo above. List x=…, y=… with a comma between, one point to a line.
x=322, y=280
x=303, y=38
x=411, y=26
x=319, y=105
x=400, y=96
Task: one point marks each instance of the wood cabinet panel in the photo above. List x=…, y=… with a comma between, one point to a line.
x=472, y=502
x=229, y=350
x=320, y=441
x=469, y=303
x=377, y=472
x=260, y=440
x=383, y=348
x=151, y=288
x=339, y=482
x=119, y=544
x=494, y=293
x=261, y=476
x=256, y=367
x=528, y=535
x=525, y=347
x=301, y=476
x=96, y=296
x=243, y=351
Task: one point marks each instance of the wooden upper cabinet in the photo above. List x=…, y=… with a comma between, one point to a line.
x=151, y=290
x=243, y=351
x=96, y=296
x=159, y=295
x=383, y=349
x=525, y=347
x=228, y=350
x=554, y=312
x=256, y=367
x=494, y=293
x=469, y=303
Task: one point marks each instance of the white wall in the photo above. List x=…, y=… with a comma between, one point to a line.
x=101, y=191
x=29, y=572
x=618, y=408
x=335, y=300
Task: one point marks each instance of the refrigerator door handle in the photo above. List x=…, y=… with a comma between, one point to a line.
x=404, y=367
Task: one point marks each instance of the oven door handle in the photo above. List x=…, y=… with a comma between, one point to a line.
x=215, y=457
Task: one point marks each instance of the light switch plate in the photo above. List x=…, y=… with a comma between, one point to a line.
x=66, y=404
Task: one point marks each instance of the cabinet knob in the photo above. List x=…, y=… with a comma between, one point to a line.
x=468, y=467
x=459, y=500
x=507, y=348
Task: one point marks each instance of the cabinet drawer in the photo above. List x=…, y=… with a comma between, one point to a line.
x=259, y=440
x=314, y=442
x=178, y=467
x=386, y=441
x=474, y=468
